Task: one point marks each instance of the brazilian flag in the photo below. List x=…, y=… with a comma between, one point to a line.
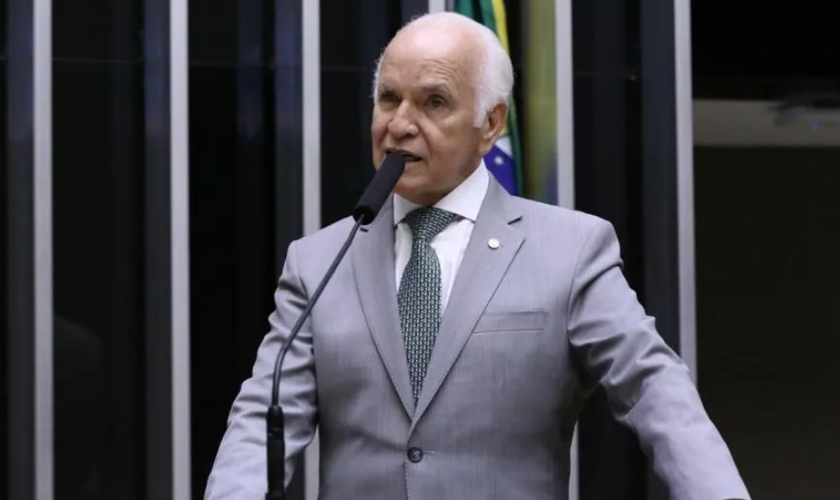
x=504, y=159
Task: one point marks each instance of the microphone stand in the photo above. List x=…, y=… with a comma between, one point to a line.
x=365, y=212
x=275, y=442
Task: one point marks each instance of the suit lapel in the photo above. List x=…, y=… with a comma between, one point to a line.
x=479, y=274
x=373, y=268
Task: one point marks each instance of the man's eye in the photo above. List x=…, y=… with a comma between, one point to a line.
x=436, y=102
x=388, y=97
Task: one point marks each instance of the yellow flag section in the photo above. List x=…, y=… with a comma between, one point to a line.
x=504, y=159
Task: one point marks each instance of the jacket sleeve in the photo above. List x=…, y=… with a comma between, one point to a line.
x=239, y=471
x=647, y=384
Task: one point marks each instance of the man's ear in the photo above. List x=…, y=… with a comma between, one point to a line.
x=493, y=125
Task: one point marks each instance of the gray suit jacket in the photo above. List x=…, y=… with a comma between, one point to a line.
x=530, y=329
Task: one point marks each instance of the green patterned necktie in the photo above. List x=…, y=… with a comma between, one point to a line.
x=419, y=295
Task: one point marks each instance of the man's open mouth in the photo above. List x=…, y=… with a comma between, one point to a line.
x=409, y=157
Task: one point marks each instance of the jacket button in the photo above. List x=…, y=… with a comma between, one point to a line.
x=415, y=455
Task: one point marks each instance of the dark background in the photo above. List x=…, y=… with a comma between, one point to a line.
x=3, y=247
x=767, y=240
x=767, y=234
x=98, y=170
x=764, y=50
x=353, y=34
x=233, y=169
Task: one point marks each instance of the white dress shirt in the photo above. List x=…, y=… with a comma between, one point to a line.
x=450, y=245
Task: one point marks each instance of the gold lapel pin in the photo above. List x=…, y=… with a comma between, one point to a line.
x=493, y=243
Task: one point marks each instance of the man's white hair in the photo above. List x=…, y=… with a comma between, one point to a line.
x=493, y=77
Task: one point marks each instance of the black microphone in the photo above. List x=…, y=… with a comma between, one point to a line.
x=365, y=212
x=380, y=188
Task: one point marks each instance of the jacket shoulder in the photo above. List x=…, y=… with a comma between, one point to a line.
x=543, y=216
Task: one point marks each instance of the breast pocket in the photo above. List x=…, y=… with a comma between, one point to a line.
x=524, y=321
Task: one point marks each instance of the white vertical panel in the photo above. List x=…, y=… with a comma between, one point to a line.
x=43, y=246
x=685, y=185
x=311, y=77
x=574, y=467
x=311, y=116
x=565, y=104
x=312, y=464
x=437, y=5
x=180, y=251
x=566, y=158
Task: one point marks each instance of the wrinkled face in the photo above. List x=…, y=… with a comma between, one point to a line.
x=425, y=107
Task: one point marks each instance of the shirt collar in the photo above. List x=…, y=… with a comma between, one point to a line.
x=464, y=201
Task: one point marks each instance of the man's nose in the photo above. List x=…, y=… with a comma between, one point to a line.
x=402, y=124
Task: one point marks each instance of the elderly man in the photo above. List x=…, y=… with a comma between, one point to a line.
x=452, y=352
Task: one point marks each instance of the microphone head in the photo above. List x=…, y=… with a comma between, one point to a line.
x=380, y=188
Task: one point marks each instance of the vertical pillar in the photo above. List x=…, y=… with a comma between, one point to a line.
x=684, y=126
x=608, y=175
x=29, y=259
x=311, y=77
x=180, y=250
x=311, y=116
x=633, y=154
x=167, y=251
x=668, y=222
x=563, y=51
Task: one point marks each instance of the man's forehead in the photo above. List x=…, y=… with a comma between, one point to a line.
x=401, y=60
x=428, y=78
x=435, y=69
x=426, y=70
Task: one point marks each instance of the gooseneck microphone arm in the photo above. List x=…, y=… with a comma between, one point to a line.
x=276, y=442
x=278, y=363
x=366, y=210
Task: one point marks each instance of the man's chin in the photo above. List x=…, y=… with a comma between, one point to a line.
x=411, y=191
x=417, y=192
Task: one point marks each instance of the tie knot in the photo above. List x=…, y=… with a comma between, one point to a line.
x=427, y=222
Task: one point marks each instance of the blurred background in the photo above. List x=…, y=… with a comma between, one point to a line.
x=158, y=157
